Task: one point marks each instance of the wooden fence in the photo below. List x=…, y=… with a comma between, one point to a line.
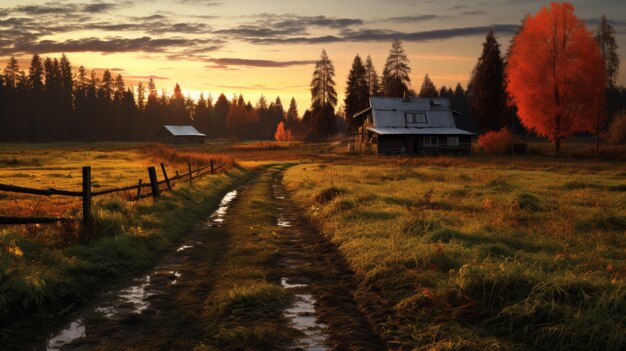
x=86, y=194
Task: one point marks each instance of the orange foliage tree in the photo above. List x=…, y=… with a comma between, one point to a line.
x=282, y=133
x=556, y=74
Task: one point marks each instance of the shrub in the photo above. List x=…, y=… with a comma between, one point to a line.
x=328, y=194
x=616, y=133
x=496, y=142
x=529, y=202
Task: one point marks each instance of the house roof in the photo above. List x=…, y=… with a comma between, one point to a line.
x=183, y=130
x=417, y=131
x=389, y=116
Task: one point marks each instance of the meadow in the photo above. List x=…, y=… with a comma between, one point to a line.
x=448, y=252
x=474, y=253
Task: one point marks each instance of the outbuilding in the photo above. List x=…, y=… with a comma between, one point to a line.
x=172, y=134
x=414, y=126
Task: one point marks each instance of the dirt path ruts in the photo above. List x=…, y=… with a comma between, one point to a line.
x=163, y=310
x=310, y=259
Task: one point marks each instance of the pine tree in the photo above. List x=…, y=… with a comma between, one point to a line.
x=487, y=88
x=428, y=89
x=371, y=77
x=218, y=120
x=323, y=100
x=608, y=47
x=396, y=80
x=66, y=91
x=35, y=95
x=11, y=73
x=141, y=97
x=292, y=113
x=357, y=92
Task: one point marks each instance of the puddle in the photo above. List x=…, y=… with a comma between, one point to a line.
x=284, y=282
x=184, y=247
x=281, y=222
x=75, y=330
x=131, y=300
x=218, y=216
x=302, y=317
x=117, y=304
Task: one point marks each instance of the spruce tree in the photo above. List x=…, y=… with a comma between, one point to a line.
x=323, y=100
x=357, y=92
x=371, y=77
x=396, y=80
x=487, y=88
x=428, y=89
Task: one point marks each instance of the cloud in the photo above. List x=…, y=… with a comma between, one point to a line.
x=99, y=7
x=110, y=45
x=201, y=2
x=369, y=35
x=63, y=8
x=415, y=18
x=146, y=77
x=227, y=62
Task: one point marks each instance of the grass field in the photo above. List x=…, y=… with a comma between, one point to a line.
x=473, y=252
x=528, y=254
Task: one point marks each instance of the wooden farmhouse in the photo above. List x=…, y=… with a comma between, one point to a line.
x=180, y=135
x=393, y=126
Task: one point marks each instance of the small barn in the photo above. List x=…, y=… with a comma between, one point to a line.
x=171, y=134
x=393, y=126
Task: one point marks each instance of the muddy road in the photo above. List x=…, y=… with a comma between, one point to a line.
x=186, y=301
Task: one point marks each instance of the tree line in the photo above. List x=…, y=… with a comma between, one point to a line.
x=581, y=86
x=51, y=102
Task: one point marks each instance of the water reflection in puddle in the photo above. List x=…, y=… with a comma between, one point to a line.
x=302, y=317
x=281, y=222
x=75, y=330
x=184, y=247
x=218, y=216
x=131, y=300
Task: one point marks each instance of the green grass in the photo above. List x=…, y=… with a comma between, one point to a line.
x=480, y=257
x=243, y=310
x=36, y=279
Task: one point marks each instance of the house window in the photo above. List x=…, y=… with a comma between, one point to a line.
x=431, y=141
x=415, y=117
x=453, y=141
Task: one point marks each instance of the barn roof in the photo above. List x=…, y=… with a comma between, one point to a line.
x=418, y=131
x=182, y=130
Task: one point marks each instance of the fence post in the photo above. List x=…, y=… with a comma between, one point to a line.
x=167, y=180
x=153, y=182
x=189, y=166
x=212, y=169
x=139, y=190
x=87, y=196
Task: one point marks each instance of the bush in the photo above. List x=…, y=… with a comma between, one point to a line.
x=328, y=194
x=616, y=133
x=496, y=142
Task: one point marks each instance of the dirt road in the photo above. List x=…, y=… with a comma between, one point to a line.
x=277, y=285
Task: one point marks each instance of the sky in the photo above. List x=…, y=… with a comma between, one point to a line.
x=269, y=47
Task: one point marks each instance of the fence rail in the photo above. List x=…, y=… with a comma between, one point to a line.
x=86, y=194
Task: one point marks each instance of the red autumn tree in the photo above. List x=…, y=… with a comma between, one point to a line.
x=282, y=133
x=556, y=74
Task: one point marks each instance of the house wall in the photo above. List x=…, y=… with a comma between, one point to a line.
x=178, y=140
x=414, y=144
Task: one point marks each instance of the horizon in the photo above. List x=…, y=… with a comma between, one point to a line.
x=242, y=47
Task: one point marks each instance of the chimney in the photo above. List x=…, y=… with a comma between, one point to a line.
x=405, y=97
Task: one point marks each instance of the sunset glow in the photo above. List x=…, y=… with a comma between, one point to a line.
x=255, y=48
